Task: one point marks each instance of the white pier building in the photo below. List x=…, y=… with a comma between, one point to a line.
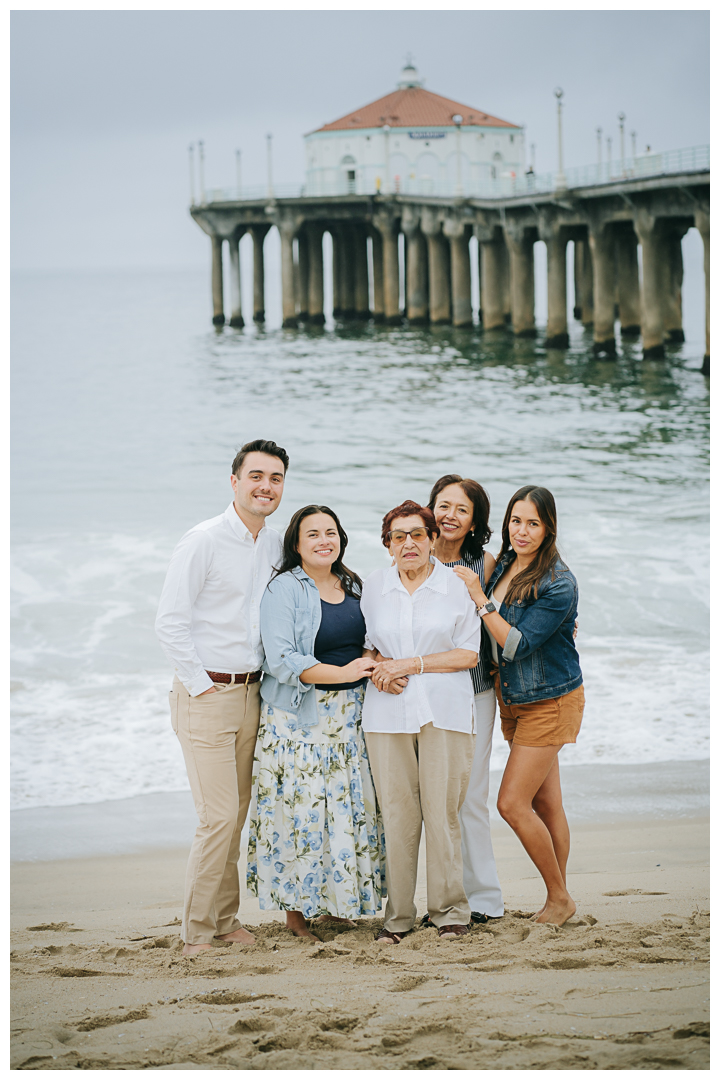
x=412, y=142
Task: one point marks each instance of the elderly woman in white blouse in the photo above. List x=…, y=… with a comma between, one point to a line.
x=418, y=719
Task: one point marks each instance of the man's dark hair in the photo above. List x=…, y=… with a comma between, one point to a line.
x=260, y=446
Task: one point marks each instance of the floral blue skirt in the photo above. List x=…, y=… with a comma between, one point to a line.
x=316, y=840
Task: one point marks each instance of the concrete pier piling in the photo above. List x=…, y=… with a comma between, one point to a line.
x=702, y=224
x=236, y=315
x=417, y=271
x=555, y=238
x=287, y=264
x=458, y=234
x=583, y=256
x=316, y=306
x=217, y=281
x=362, y=281
x=522, y=281
x=628, y=279
x=438, y=268
x=607, y=220
x=492, y=280
x=378, y=276
x=674, y=233
x=258, y=233
x=602, y=246
x=388, y=227
x=303, y=277
x=654, y=277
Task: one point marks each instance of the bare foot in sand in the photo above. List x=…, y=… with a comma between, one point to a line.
x=336, y=919
x=295, y=921
x=557, y=913
x=242, y=936
x=192, y=950
x=538, y=913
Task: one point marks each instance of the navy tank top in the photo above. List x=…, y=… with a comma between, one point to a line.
x=340, y=638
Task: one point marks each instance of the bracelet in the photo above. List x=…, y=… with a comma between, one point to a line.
x=422, y=666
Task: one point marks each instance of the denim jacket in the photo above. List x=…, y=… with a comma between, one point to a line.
x=290, y=616
x=539, y=659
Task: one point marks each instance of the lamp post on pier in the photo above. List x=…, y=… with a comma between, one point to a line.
x=633, y=137
x=621, y=119
x=238, y=173
x=191, y=159
x=598, y=132
x=609, y=156
x=560, y=180
x=457, y=121
x=201, y=166
x=269, y=167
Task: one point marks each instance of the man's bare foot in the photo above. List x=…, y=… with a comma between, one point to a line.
x=557, y=913
x=336, y=919
x=242, y=936
x=191, y=950
x=295, y=921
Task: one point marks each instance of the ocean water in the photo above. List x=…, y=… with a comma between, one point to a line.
x=128, y=408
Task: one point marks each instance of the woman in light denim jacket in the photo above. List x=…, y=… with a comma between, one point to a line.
x=530, y=614
x=316, y=846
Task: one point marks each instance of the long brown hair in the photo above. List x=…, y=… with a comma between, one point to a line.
x=349, y=580
x=477, y=538
x=547, y=558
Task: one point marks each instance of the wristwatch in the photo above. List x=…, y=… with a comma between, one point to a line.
x=489, y=607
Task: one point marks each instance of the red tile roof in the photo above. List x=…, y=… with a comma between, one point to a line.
x=413, y=107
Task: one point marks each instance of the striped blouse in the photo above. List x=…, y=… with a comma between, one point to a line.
x=480, y=673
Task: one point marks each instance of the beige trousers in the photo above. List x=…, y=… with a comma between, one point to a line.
x=217, y=733
x=422, y=778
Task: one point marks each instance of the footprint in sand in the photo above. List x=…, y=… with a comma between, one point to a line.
x=634, y=892
x=94, y=1022
x=64, y=927
x=408, y=982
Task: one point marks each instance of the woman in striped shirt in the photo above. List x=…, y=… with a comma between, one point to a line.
x=462, y=508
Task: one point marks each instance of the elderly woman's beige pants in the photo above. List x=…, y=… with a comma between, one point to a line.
x=217, y=733
x=418, y=778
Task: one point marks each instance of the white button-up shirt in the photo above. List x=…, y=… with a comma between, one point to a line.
x=438, y=617
x=209, y=614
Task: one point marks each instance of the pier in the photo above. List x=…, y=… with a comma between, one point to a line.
x=607, y=212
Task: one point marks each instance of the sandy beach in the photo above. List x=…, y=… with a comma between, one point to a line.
x=99, y=981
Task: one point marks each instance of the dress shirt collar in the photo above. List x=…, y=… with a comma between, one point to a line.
x=238, y=526
x=436, y=580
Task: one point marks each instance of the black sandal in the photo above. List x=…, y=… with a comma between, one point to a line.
x=477, y=918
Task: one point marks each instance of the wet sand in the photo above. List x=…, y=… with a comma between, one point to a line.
x=99, y=981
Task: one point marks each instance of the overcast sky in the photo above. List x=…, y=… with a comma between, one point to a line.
x=104, y=104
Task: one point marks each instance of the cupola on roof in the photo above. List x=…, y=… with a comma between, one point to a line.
x=411, y=105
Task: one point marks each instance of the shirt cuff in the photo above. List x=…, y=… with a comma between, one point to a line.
x=198, y=683
x=511, y=643
x=298, y=663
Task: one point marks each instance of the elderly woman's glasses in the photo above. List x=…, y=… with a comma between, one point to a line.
x=397, y=536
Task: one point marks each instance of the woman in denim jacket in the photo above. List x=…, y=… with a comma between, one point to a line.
x=530, y=614
x=316, y=846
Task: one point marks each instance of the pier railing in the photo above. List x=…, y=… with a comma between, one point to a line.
x=666, y=163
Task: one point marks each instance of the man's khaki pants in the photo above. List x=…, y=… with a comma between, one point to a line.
x=217, y=733
x=419, y=778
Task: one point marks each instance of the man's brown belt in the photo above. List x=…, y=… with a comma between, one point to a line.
x=245, y=679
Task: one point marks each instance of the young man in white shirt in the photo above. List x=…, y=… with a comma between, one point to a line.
x=209, y=627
